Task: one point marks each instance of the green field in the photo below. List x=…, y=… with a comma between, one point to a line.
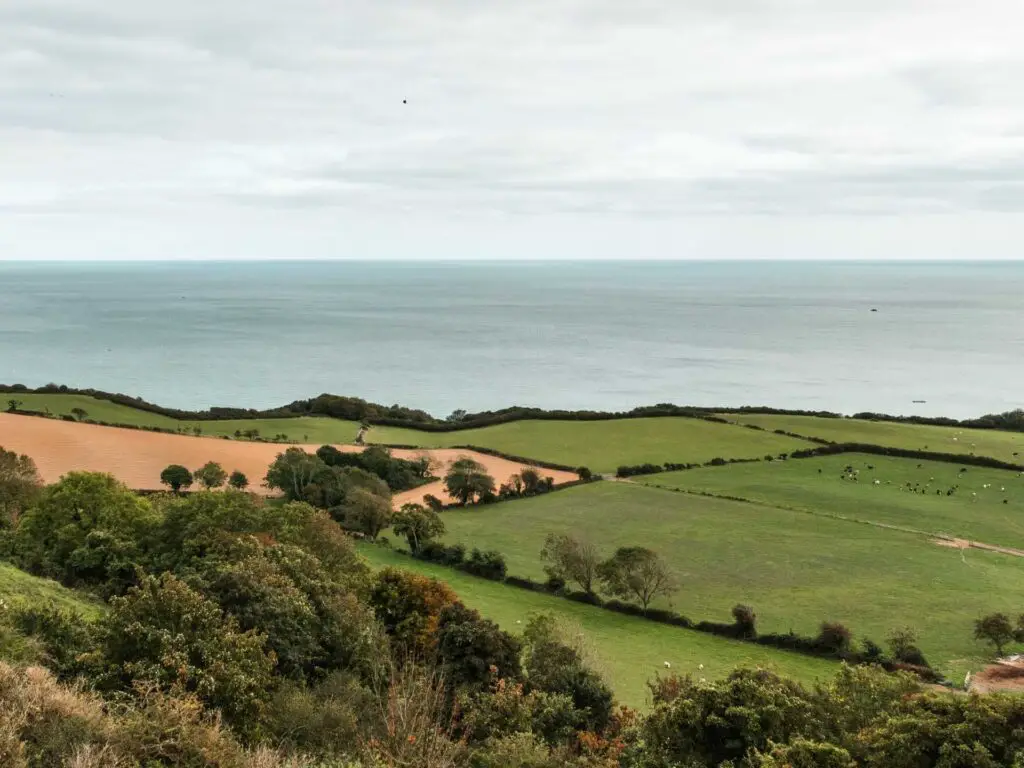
x=18, y=586
x=796, y=569
x=882, y=492
x=605, y=445
x=1006, y=446
x=309, y=429
x=629, y=651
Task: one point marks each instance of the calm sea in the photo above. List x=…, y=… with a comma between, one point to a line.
x=608, y=336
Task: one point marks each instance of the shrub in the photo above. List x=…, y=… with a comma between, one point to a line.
x=489, y=565
x=834, y=638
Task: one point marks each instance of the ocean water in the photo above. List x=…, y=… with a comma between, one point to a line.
x=441, y=336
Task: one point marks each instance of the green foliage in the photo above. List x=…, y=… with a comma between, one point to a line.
x=20, y=485
x=210, y=475
x=803, y=753
x=366, y=512
x=409, y=607
x=166, y=633
x=473, y=650
x=637, y=573
x=557, y=668
x=176, y=477
x=710, y=723
x=995, y=628
x=467, y=480
x=418, y=524
x=572, y=560
x=292, y=472
x=238, y=480
x=328, y=719
x=84, y=529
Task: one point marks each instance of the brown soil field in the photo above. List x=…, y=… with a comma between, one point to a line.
x=136, y=457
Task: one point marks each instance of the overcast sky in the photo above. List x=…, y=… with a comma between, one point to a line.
x=533, y=129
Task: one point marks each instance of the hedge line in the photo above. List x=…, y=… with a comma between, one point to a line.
x=491, y=565
x=833, y=449
x=356, y=409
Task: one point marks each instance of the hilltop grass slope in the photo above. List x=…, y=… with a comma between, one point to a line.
x=795, y=568
x=986, y=505
x=997, y=444
x=301, y=429
x=17, y=586
x=628, y=650
x=605, y=445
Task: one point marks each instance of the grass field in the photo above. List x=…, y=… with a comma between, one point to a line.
x=303, y=429
x=604, y=445
x=16, y=585
x=796, y=569
x=1006, y=446
x=882, y=492
x=628, y=651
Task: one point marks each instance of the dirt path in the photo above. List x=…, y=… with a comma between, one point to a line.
x=137, y=457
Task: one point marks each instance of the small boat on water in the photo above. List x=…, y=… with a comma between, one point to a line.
x=919, y=401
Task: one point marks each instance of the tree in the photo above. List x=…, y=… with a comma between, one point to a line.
x=366, y=512
x=13, y=405
x=81, y=527
x=409, y=607
x=745, y=619
x=176, y=477
x=532, y=481
x=996, y=628
x=418, y=524
x=79, y=413
x=292, y=472
x=468, y=480
x=571, y=560
x=238, y=480
x=584, y=473
x=211, y=475
x=637, y=572
x=166, y=633
x=474, y=650
x=20, y=485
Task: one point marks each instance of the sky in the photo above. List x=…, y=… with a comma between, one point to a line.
x=535, y=129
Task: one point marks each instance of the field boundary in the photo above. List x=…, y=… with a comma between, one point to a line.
x=791, y=642
x=357, y=409
x=944, y=537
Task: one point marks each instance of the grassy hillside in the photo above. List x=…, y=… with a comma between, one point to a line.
x=629, y=651
x=16, y=585
x=310, y=429
x=987, y=505
x=1006, y=446
x=604, y=445
x=795, y=568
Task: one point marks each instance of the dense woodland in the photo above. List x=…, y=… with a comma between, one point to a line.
x=221, y=629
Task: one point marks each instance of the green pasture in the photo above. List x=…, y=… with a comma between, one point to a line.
x=796, y=569
x=605, y=445
x=1006, y=446
x=986, y=505
x=17, y=586
x=629, y=651
x=311, y=429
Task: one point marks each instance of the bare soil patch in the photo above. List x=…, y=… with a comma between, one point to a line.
x=137, y=457
x=1004, y=675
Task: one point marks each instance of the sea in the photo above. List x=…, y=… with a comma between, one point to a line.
x=896, y=337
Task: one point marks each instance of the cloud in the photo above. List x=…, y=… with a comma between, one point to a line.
x=541, y=119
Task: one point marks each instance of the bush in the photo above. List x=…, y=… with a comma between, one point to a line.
x=834, y=638
x=633, y=470
x=489, y=565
